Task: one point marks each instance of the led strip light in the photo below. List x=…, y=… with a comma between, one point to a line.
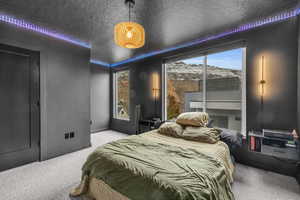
x=98, y=62
x=276, y=18
x=44, y=31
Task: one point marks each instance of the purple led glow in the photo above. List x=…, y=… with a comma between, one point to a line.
x=98, y=62
x=276, y=18
x=44, y=31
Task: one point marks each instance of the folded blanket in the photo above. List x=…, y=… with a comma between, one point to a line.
x=201, y=134
x=142, y=169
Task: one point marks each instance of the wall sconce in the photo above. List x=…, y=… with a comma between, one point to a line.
x=155, y=85
x=155, y=90
x=262, y=81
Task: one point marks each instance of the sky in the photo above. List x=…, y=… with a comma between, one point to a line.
x=232, y=59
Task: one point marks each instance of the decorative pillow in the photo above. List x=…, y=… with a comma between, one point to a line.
x=193, y=119
x=201, y=134
x=232, y=138
x=171, y=129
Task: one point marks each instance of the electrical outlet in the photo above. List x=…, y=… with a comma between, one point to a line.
x=67, y=136
x=72, y=134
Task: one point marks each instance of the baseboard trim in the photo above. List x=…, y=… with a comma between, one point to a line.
x=99, y=130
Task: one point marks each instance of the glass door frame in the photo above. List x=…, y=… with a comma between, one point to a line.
x=204, y=54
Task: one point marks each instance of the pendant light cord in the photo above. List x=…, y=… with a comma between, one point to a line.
x=129, y=5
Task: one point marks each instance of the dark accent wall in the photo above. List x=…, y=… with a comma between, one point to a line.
x=298, y=83
x=65, y=89
x=140, y=94
x=100, y=101
x=277, y=42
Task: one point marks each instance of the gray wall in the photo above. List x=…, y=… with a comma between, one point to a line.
x=140, y=94
x=277, y=42
x=298, y=83
x=65, y=89
x=100, y=99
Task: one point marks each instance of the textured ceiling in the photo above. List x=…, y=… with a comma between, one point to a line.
x=167, y=22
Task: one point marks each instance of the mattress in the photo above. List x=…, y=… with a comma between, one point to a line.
x=165, y=183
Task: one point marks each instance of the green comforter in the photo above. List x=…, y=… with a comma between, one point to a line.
x=141, y=169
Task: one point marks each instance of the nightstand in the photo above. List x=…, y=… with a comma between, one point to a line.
x=283, y=160
x=275, y=147
x=148, y=124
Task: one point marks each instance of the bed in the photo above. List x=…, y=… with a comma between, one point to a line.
x=155, y=166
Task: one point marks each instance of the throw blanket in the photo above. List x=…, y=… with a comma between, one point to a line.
x=140, y=168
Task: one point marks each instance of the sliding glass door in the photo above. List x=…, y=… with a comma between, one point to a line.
x=212, y=83
x=184, y=78
x=224, y=89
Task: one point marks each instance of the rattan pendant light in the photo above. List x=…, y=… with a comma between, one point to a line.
x=129, y=34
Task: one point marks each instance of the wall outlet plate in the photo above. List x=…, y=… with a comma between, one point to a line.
x=67, y=136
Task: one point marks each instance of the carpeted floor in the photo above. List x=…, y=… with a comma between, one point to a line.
x=53, y=179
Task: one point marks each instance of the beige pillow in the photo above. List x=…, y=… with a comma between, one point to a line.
x=193, y=119
x=171, y=129
x=201, y=134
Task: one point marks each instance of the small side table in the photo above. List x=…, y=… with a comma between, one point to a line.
x=148, y=125
x=279, y=158
x=289, y=153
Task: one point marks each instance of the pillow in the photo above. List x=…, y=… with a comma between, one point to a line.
x=210, y=122
x=171, y=129
x=199, y=119
x=201, y=134
x=232, y=138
